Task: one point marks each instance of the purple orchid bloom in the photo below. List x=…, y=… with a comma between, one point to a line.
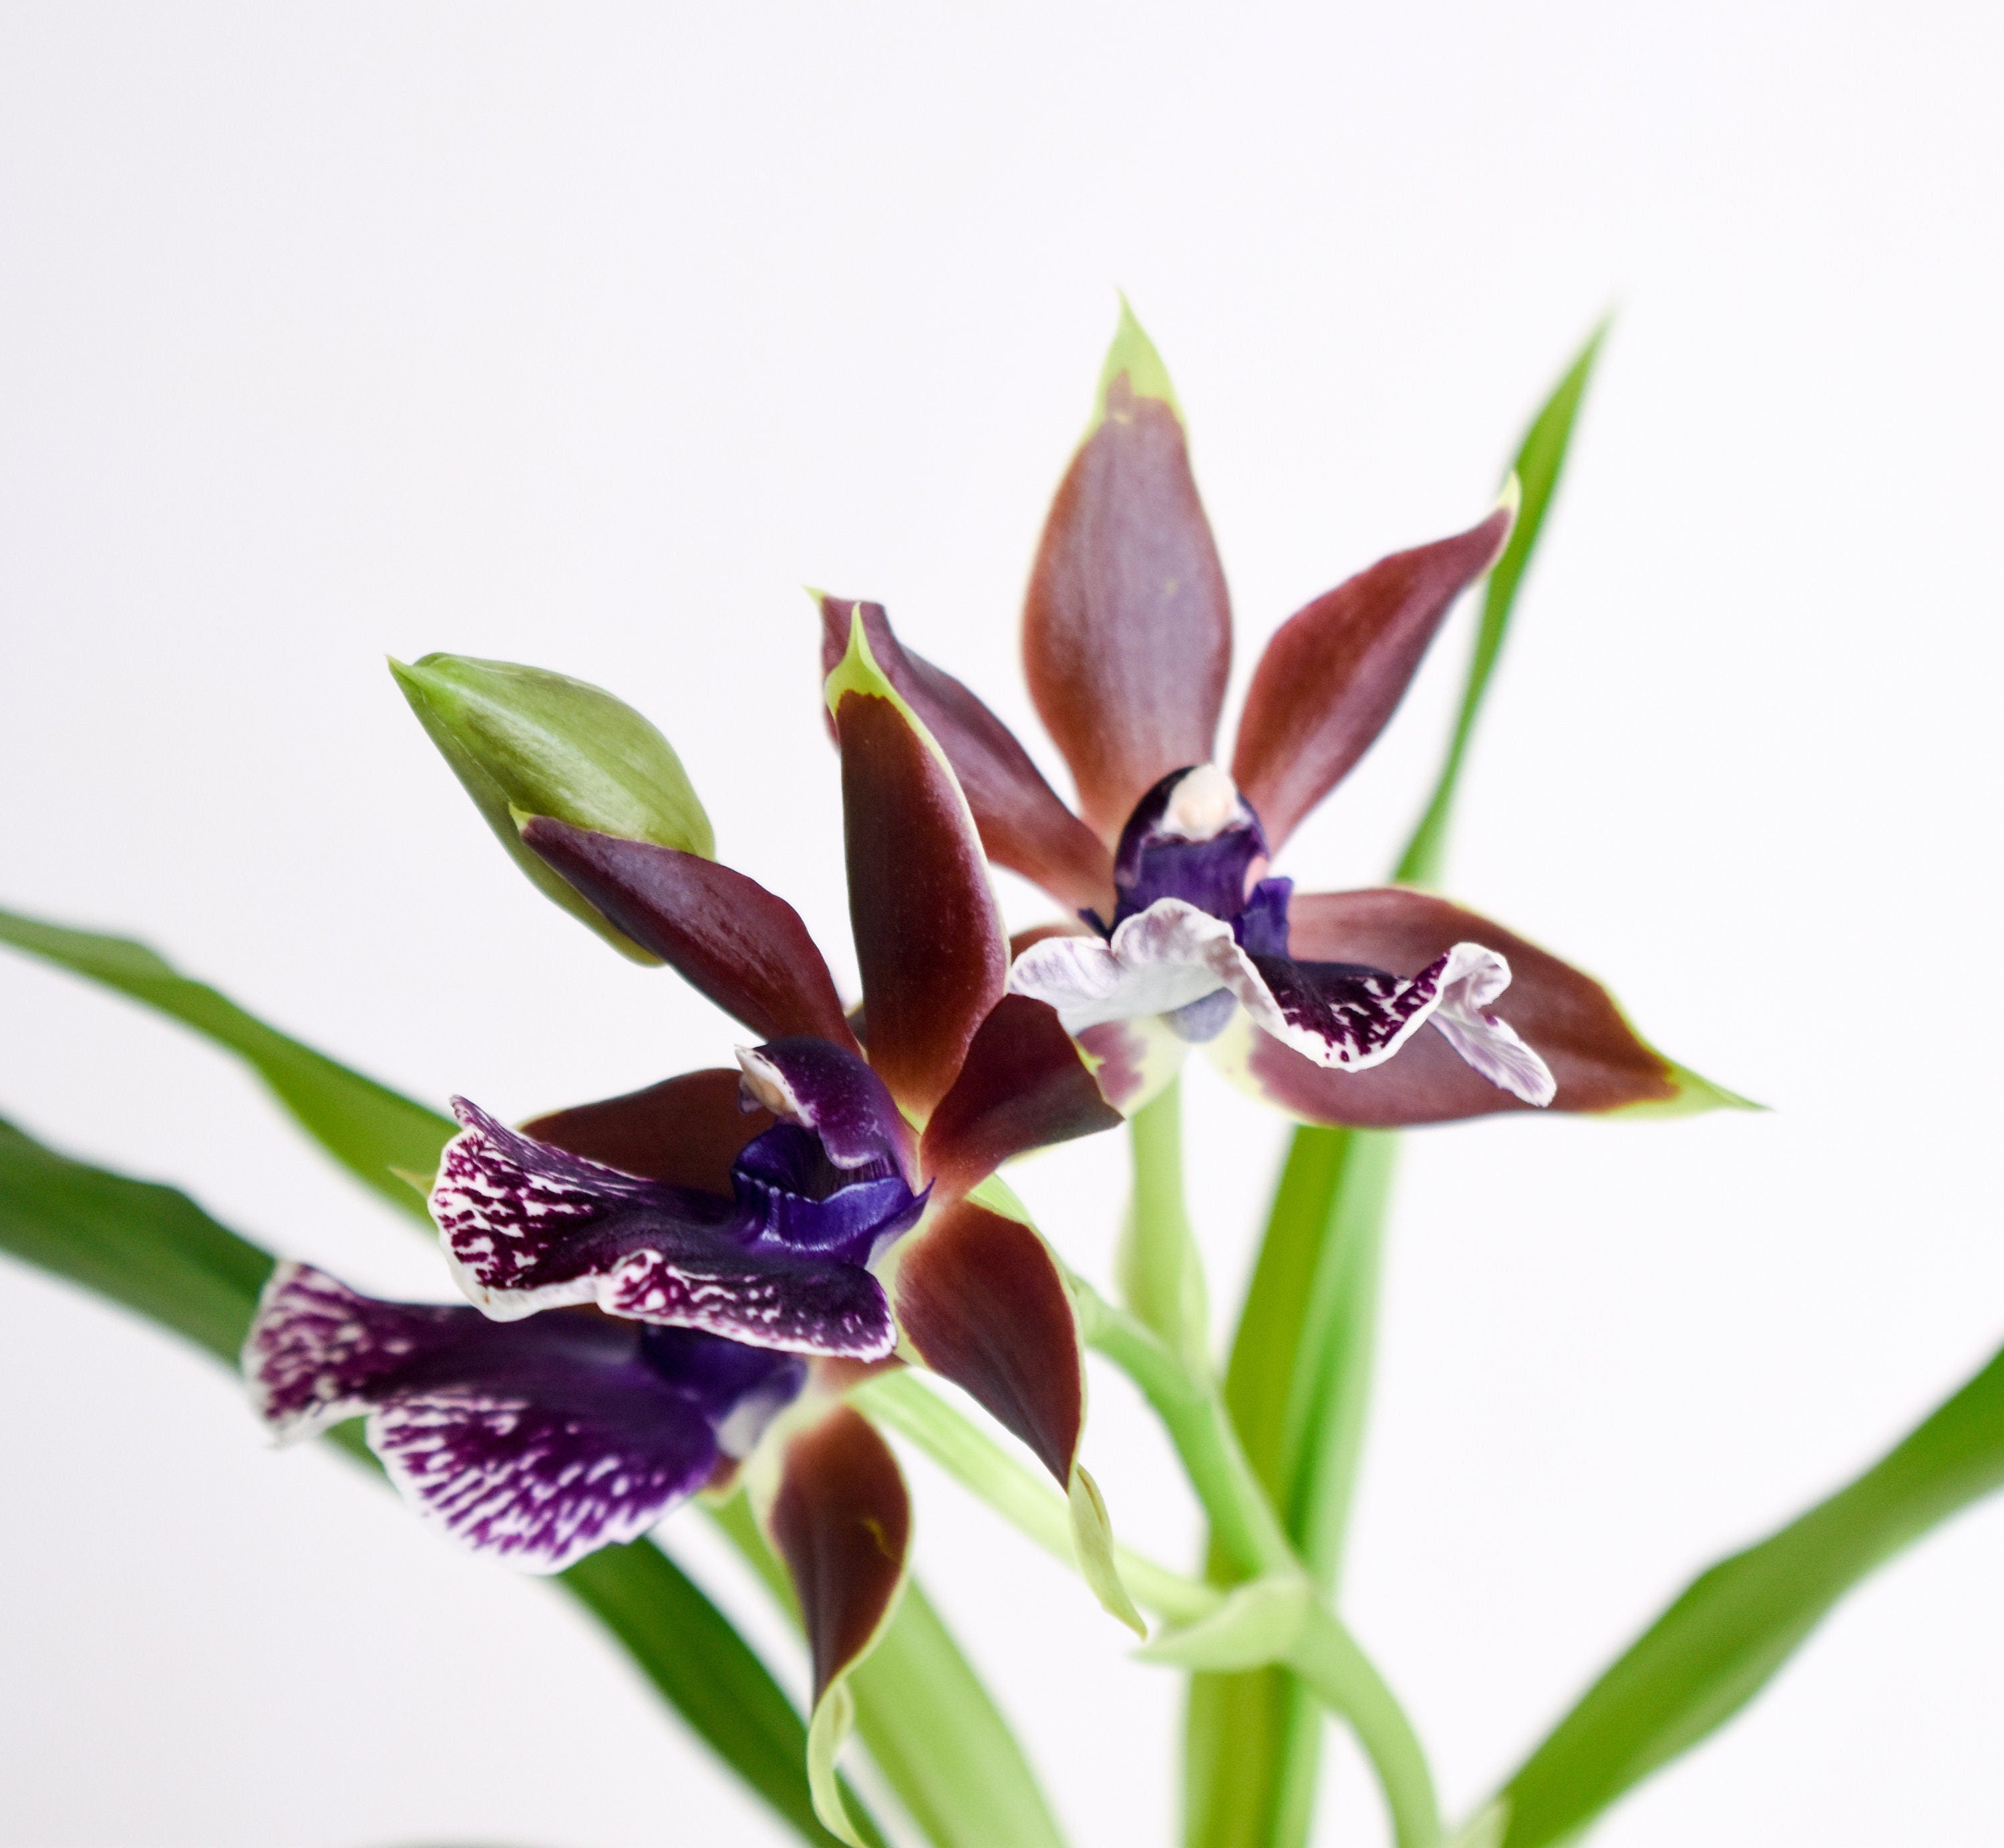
x=1317, y=1002
x=679, y=1283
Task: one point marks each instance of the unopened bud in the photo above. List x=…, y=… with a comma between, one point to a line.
x=526, y=742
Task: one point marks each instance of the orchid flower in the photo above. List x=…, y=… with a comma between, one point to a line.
x=679, y=1284
x=1316, y=1002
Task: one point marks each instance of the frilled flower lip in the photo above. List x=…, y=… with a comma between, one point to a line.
x=1173, y=956
x=535, y=1441
x=527, y=1226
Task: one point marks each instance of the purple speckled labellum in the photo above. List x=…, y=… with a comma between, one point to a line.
x=528, y=1227
x=929, y=940
x=833, y=1093
x=1336, y=671
x=1022, y=1086
x=743, y=946
x=841, y=1520
x=1023, y=824
x=533, y=1442
x=1127, y=626
x=981, y=1298
x=1598, y=1060
x=687, y=1129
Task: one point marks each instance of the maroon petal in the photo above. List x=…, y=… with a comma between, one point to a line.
x=1127, y=627
x=739, y=944
x=929, y=939
x=1571, y=1022
x=1335, y=672
x=686, y=1131
x=1023, y=1086
x=841, y=1520
x=981, y=1298
x=1023, y=824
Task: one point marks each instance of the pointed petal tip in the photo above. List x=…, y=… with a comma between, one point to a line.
x=1512, y=497
x=858, y=671
x=1092, y=1546
x=1693, y=1095
x=1132, y=354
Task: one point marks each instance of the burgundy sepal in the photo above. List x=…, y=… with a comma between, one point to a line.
x=1024, y=1086
x=981, y=1298
x=1598, y=1060
x=743, y=946
x=1127, y=626
x=1336, y=671
x=842, y=1520
x=686, y=1131
x=1023, y=824
x=929, y=940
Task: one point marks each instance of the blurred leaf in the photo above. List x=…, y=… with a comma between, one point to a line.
x=152, y=1250
x=371, y=1130
x=926, y=1719
x=524, y=742
x=1720, y=1643
x=1539, y=460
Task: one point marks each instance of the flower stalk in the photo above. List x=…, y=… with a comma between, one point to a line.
x=1162, y=1274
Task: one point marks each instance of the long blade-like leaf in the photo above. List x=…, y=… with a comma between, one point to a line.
x=1722, y=1640
x=152, y=1250
x=369, y=1129
x=920, y=1705
x=1540, y=458
x=1298, y=1381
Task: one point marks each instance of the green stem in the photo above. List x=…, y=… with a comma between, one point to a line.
x=1161, y=1276
x=1015, y=1491
x=1328, y=1659
x=1326, y=1656
x=1194, y=1413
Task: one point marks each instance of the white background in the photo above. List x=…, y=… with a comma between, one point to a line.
x=584, y=336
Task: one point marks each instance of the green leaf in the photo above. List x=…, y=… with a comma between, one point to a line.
x=148, y=1247
x=375, y=1134
x=1721, y=1642
x=152, y=1250
x=1539, y=460
x=524, y=742
x=926, y=1719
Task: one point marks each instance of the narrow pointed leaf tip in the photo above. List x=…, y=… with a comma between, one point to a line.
x=524, y=742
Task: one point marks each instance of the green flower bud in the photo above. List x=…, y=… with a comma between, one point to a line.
x=526, y=742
